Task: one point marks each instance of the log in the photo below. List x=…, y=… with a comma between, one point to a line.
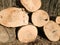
x=58, y=19
x=31, y=5
x=7, y=34
x=4, y=37
x=27, y=34
x=13, y=17
x=11, y=33
x=40, y=18
x=51, y=6
x=52, y=31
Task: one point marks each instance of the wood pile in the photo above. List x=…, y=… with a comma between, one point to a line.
x=12, y=17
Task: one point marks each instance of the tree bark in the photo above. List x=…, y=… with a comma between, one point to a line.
x=6, y=3
x=51, y=6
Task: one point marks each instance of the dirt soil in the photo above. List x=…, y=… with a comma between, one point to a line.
x=53, y=9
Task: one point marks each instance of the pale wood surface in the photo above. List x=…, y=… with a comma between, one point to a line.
x=53, y=9
x=27, y=34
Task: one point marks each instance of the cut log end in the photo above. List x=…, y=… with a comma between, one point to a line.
x=51, y=30
x=40, y=18
x=31, y=5
x=13, y=17
x=4, y=37
x=27, y=34
x=58, y=20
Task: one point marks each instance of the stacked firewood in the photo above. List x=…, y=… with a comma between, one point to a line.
x=13, y=17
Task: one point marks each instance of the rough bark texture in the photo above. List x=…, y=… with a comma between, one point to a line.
x=53, y=9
